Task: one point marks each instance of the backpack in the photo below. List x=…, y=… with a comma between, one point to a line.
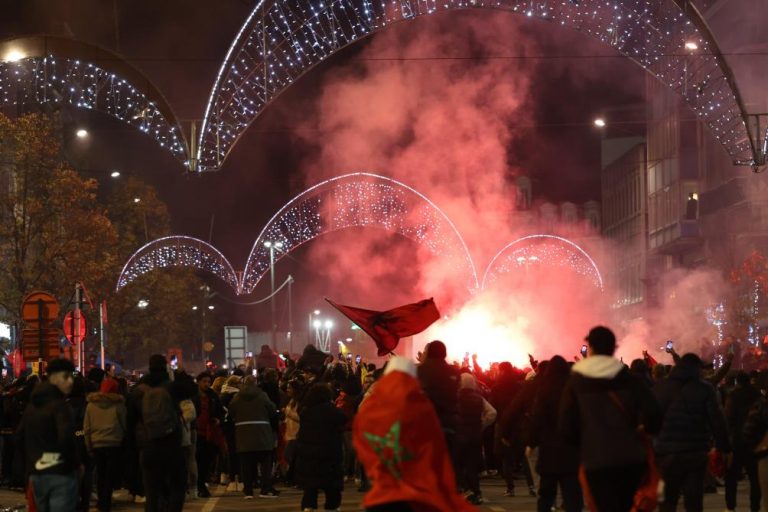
x=159, y=415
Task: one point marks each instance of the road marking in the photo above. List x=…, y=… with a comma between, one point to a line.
x=497, y=509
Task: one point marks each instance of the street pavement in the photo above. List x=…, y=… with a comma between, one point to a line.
x=493, y=488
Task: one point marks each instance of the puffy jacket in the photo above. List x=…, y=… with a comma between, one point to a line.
x=253, y=413
x=591, y=418
x=47, y=431
x=692, y=413
x=104, y=425
x=440, y=382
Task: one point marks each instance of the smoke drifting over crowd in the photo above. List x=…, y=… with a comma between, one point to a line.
x=453, y=129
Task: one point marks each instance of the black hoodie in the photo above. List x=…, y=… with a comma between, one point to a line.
x=47, y=431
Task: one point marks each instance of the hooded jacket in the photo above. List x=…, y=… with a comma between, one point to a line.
x=253, y=412
x=692, y=413
x=47, y=433
x=104, y=425
x=601, y=409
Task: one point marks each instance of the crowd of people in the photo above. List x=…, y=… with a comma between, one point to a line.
x=413, y=435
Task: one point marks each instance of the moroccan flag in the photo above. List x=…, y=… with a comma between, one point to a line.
x=398, y=439
x=387, y=327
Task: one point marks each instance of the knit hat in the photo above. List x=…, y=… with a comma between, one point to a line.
x=59, y=365
x=157, y=363
x=109, y=385
x=398, y=439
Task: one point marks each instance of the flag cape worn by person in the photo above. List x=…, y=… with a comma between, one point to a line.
x=387, y=327
x=399, y=441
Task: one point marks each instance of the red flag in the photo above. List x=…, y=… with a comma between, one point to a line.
x=387, y=327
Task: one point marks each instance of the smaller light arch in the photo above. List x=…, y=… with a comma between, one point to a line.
x=178, y=251
x=360, y=199
x=542, y=249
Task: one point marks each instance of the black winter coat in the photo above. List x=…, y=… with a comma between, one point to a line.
x=557, y=456
x=692, y=413
x=319, y=461
x=48, y=426
x=469, y=427
x=503, y=392
x=440, y=381
x=591, y=418
x=737, y=407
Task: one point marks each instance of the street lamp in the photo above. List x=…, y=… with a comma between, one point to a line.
x=272, y=246
x=81, y=133
x=600, y=122
x=115, y=174
x=142, y=304
x=322, y=334
x=211, y=307
x=691, y=45
x=13, y=56
x=194, y=308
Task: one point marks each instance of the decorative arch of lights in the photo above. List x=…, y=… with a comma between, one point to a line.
x=51, y=71
x=360, y=200
x=283, y=39
x=353, y=200
x=542, y=250
x=178, y=251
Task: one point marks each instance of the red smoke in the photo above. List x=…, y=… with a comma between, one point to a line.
x=449, y=129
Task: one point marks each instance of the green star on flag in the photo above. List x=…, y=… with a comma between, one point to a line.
x=390, y=442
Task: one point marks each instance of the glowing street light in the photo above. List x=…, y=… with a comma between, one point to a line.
x=115, y=174
x=317, y=324
x=328, y=324
x=211, y=307
x=600, y=122
x=142, y=304
x=194, y=308
x=691, y=45
x=13, y=56
x=316, y=312
x=81, y=133
x=136, y=200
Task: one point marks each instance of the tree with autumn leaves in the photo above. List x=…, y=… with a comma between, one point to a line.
x=54, y=232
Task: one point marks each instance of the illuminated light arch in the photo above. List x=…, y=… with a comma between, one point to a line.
x=178, y=251
x=282, y=40
x=359, y=200
x=547, y=250
x=54, y=71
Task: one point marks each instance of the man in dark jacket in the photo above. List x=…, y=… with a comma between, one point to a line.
x=161, y=458
x=602, y=410
x=691, y=417
x=440, y=382
x=737, y=406
x=253, y=413
x=47, y=433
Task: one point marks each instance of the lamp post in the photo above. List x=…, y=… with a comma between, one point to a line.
x=272, y=246
x=207, y=295
x=310, y=325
